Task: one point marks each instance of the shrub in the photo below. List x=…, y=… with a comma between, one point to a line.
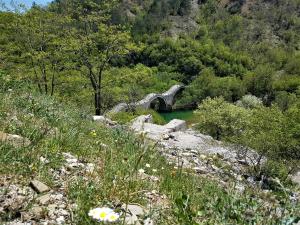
x=249, y=102
x=221, y=119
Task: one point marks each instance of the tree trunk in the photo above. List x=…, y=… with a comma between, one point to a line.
x=98, y=99
x=52, y=84
x=98, y=102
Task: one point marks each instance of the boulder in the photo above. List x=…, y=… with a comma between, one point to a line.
x=134, y=209
x=176, y=125
x=14, y=140
x=138, y=123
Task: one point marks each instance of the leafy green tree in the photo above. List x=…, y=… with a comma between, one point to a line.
x=221, y=119
x=43, y=43
x=95, y=51
x=260, y=82
x=93, y=41
x=206, y=84
x=285, y=100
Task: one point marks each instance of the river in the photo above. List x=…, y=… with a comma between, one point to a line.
x=177, y=114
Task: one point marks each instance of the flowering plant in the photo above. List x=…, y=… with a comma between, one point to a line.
x=104, y=214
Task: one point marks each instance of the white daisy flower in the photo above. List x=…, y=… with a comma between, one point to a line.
x=93, y=212
x=113, y=217
x=147, y=165
x=154, y=170
x=100, y=214
x=141, y=171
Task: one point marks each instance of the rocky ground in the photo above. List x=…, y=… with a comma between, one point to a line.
x=189, y=149
x=185, y=149
x=36, y=203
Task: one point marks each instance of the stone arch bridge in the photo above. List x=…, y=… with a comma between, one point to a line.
x=163, y=101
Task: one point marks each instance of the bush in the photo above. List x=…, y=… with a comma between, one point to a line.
x=275, y=169
x=249, y=102
x=221, y=119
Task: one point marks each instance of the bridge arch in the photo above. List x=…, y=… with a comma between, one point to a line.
x=158, y=103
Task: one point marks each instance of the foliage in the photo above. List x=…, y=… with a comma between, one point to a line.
x=220, y=119
x=43, y=43
x=266, y=129
x=249, y=102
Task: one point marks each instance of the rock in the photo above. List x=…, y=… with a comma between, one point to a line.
x=176, y=125
x=69, y=157
x=25, y=216
x=90, y=167
x=104, y=120
x=296, y=178
x=52, y=207
x=240, y=188
x=39, y=187
x=132, y=220
x=215, y=168
x=44, y=199
x=134, y=209
x=201, y=170
x=203, y=157
x=37, y=212
x=138, y=123
x=44, y=160
x=148, y=221
x=18, y=223
x=165, y=136
x=60, y=220
x=58, y=197
x=14, y=140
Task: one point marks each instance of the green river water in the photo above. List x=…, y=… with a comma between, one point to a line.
x=179, y=114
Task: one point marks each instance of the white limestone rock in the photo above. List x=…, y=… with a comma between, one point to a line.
x=176, y=125
x=104, y=120
x=15, y=140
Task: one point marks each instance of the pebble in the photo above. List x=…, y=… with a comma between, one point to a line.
x=60, y=220
x=44, y=199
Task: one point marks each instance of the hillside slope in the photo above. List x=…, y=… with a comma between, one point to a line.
x=70, y=165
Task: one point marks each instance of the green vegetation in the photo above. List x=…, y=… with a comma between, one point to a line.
x=268, y=130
